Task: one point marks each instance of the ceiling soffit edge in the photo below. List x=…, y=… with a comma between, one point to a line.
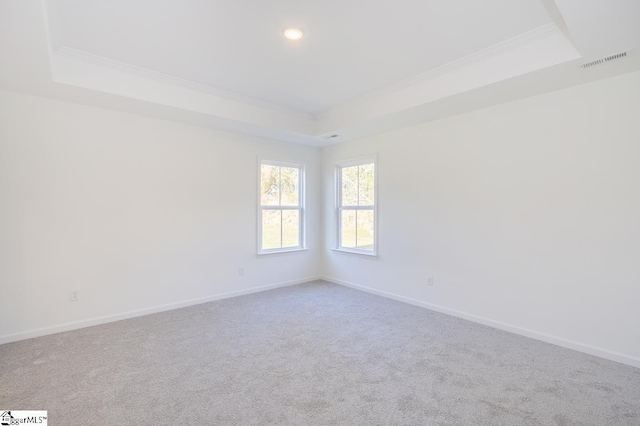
x=55, y=48
x=52, y=32
x=168, y=79
x=544, y=31
x=512, y=43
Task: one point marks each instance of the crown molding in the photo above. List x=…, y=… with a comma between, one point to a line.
x=101, y=61
x=544, y=31
x=52, y=31
x=513, y=43
x=56, y=48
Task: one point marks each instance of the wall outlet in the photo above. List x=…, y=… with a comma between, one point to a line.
x=74, y=295
x=240, y=271
x=431, y=281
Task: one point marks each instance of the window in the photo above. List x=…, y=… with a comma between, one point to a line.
x=281, y=213
x=356, y=206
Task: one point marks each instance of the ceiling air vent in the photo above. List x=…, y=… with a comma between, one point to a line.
x=603, y=60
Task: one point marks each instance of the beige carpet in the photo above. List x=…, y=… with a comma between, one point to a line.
x=313, y=354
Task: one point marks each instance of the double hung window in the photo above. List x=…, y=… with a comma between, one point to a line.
x=281, y=212
x=356, y=206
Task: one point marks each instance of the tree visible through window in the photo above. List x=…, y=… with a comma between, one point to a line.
x=281, y=207
x=356, y=207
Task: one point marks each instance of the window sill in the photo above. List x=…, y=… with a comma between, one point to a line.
x=283, y=251
x=370, y=255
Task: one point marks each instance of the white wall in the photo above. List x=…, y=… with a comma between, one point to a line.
x=133, y=212
x=527, y=214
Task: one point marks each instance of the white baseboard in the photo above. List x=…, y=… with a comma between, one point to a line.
x=559, y=341
x=141, y=312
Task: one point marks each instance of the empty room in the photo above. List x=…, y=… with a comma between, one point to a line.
x=235, y=212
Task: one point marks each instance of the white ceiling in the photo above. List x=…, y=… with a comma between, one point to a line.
x=364, y=67
x=350, y=48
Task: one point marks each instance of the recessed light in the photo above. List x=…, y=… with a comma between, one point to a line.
x=293, y=33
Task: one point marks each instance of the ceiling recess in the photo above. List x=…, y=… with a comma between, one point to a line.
x=604, y=60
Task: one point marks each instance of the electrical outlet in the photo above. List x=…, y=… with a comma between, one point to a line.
x=74, y=295
x=431, y=281
x=240, y=271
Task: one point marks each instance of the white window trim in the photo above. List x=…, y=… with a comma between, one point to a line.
x=338, y=198
x=300, y=208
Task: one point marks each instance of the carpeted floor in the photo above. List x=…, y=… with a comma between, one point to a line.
x=312, y=354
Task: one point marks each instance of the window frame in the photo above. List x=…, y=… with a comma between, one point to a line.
x=300, y=208
x=371, y=159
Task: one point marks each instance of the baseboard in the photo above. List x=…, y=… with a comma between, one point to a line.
x=559, y=341
x=141, y=312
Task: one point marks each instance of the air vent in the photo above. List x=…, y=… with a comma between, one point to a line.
x=331, y=136
x=603, y=60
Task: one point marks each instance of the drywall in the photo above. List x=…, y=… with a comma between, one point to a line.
x=526, y=214
x=138, y=214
